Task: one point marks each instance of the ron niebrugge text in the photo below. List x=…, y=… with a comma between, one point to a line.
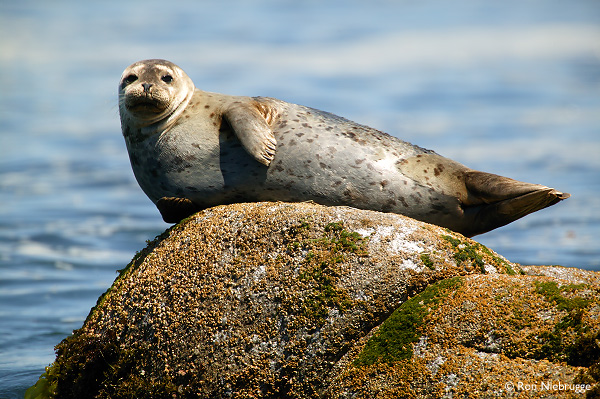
x=549, y=385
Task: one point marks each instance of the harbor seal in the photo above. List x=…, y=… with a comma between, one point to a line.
x=191, y=149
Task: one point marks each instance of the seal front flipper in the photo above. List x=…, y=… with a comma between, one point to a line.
x=174, y=210
x=253, y=131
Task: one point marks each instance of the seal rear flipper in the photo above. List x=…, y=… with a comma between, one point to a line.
x=253, y=131
x=488, y=188
x=174, y=210
x=495, y=201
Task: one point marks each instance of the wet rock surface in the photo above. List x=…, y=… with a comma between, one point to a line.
x=273, y=300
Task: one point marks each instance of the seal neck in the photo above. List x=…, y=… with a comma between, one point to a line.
x=167, y=122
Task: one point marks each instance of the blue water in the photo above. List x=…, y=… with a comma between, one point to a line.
x=508, y=87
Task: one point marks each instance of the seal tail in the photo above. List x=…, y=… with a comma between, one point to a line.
x=494, y=201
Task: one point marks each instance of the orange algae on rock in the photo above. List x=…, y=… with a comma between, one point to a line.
x=273, y=300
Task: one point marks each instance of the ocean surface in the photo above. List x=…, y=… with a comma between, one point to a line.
x=509, y=87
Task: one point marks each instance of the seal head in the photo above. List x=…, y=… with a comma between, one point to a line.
x=153, y=93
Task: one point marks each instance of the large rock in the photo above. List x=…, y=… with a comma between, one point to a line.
x=275, y=300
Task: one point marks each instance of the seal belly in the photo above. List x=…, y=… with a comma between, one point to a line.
x=175, y=164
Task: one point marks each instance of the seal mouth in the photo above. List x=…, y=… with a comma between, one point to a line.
x=144, y=105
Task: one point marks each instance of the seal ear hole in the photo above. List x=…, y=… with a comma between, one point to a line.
x=167, y=78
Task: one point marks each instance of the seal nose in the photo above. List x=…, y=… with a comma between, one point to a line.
x=146, y=87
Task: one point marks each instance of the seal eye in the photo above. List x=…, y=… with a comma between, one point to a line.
x=130, y=79
x=167, y=78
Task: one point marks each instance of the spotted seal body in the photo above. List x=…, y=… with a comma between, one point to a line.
x=191, y=149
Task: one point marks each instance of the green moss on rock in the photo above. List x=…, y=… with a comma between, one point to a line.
x=426, y=259
x=554, y=293
x=570, y=339
x=83, y=364
x=477, y=255
x=466, y=252
x=321, y=268
x=394, y=339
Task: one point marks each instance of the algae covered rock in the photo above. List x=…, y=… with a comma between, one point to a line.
x=484, y=336
x=276, y=300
